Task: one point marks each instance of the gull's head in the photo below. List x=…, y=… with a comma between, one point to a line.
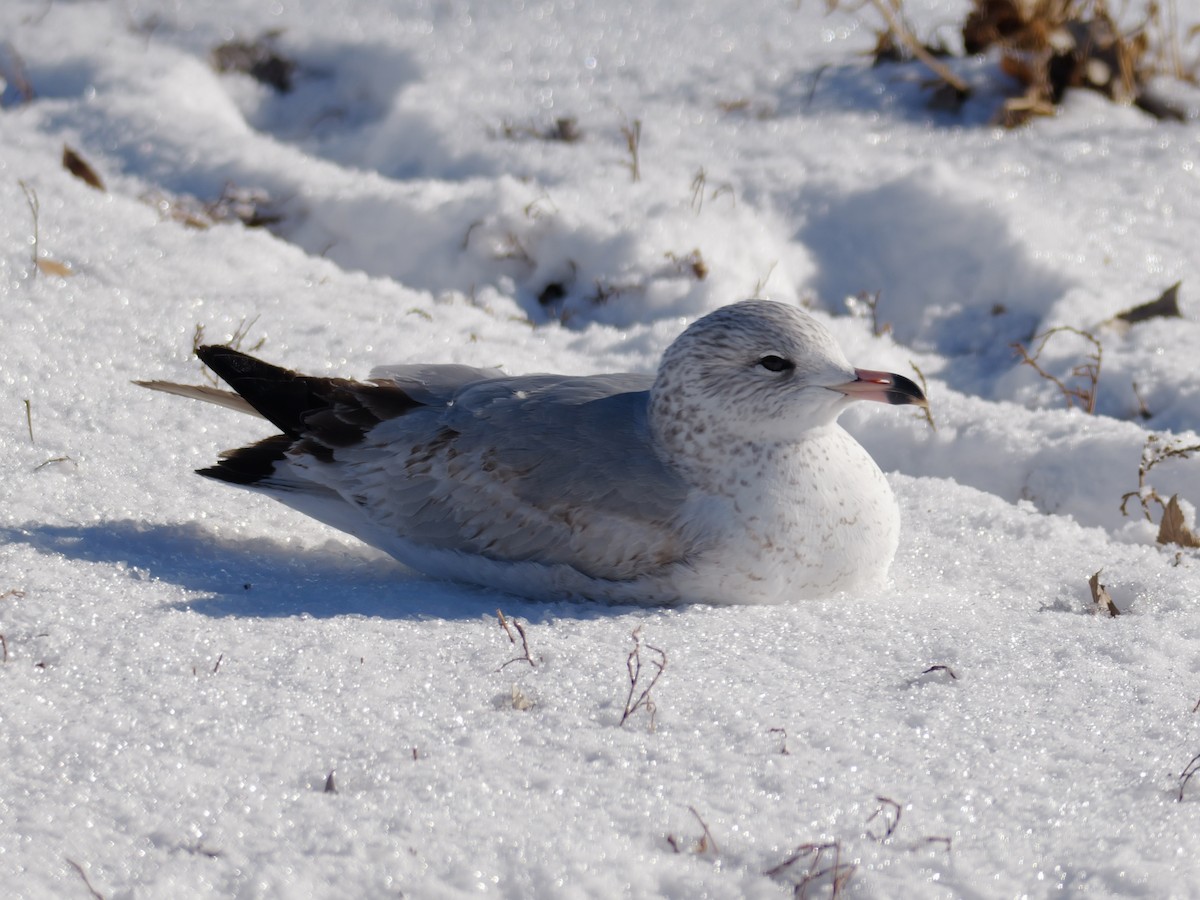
x=762, y=371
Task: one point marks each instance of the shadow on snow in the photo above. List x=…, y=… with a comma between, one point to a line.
x=266, y=578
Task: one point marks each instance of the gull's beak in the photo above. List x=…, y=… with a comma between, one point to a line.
x=885, y=387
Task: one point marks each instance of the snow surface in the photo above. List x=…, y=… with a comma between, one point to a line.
x=186, y=663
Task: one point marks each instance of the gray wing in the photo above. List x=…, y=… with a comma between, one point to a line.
x=432, y=384
x=547, y=468
x=544, y=468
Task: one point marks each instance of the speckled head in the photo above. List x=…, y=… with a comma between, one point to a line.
x=758, y=370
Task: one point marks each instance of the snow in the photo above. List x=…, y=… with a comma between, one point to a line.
x=186, y=664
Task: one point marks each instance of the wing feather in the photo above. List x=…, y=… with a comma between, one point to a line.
x=228, y=399
x=546, y=468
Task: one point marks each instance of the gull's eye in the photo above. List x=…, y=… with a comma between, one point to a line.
x=776, y=363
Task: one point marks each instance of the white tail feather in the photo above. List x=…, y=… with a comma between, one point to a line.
x=228, y=399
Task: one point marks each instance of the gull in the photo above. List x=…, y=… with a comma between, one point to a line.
x=723, y=479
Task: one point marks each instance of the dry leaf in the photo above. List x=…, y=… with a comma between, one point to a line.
x=1101, y=597
x=1174, y=529
x=53, y=267
x=77, y=166
x=1159, y=107
x=1165, y=305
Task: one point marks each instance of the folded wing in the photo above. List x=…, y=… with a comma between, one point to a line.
x=545, y=468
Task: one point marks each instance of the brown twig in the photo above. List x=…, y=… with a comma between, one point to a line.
x=526, y=656
x=1084, y=397
x=925, y=410
x=707, y=841
x=698, y=185
x=936, y=840
x=241, y=332
x=1188, y=771
x=1143, y=410
x=813, y=855
x=704, y=844
x=633, y=141
x=466, y=241
x=53, y=459
x=82, y=874
x=633, y=665
x=940, y=668
x=906, y=37
x=504, y=625
x=887, y=807
x=1153, y=452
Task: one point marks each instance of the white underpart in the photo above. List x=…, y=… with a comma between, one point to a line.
x=815, y=518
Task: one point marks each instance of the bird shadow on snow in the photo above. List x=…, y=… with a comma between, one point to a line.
x=263, y=578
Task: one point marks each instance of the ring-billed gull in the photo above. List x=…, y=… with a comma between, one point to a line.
x=725, y=478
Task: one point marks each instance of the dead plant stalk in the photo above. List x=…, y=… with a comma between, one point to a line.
x=633, y=665
x=1153, y=453
x=914, y=46
x=525, y=654
x=889, y=813
x=814, y=856
x=633, y=142
x=1188, y=771
x=1084, y=396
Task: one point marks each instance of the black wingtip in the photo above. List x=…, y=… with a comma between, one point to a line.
x=280, y=395
x=249, y=465
x=233, y=364
x=316, y=415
